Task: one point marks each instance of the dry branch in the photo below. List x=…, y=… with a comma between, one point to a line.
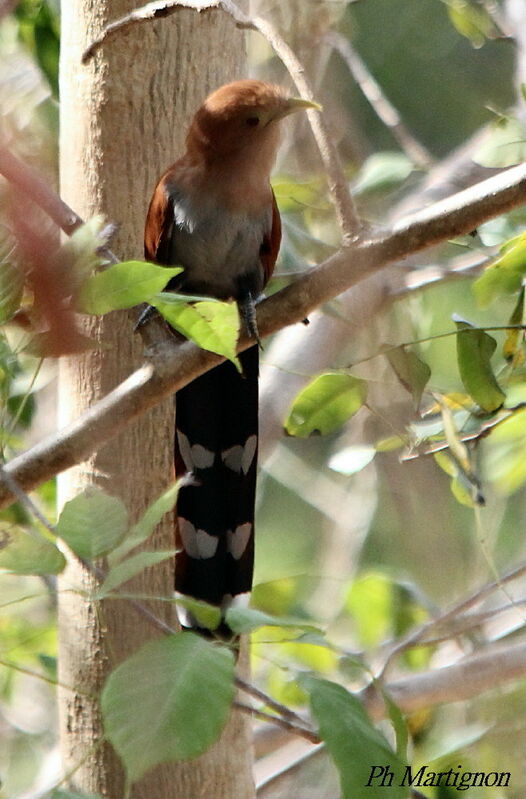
x=170, y=368
x=469, y=677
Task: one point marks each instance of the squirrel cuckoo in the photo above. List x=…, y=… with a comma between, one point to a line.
x=213, y=212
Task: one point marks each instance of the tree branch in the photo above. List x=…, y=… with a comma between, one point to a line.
x=469, y=677
x=383, y=108
x=172, y=367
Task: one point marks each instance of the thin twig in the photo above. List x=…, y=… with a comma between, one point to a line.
x=173, y=366
x=296, y=729
x=286, y=772
x=383, y=108
x=338, y=184
x=269, y=702
x=416, y=637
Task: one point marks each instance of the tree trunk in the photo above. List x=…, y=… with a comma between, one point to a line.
x=122, y=122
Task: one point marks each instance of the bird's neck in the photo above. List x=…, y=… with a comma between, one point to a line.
x=239, y=179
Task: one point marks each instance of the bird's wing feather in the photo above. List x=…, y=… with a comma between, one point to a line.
x=270, y=245
x=159, y=225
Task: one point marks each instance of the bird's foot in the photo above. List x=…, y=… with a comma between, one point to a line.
x=247, y=309
x=147, y=313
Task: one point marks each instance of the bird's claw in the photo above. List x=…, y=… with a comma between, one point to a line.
x=145, y=316
x=247, y=308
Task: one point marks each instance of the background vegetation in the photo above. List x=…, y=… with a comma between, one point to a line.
x=352, y=539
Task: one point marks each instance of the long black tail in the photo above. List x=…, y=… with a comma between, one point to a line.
x=216, y=440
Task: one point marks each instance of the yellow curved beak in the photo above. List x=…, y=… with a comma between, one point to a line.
x=292, y=104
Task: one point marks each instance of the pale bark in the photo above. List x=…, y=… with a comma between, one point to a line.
x=122, y=122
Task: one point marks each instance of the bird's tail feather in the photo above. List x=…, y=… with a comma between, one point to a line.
x=216, y=440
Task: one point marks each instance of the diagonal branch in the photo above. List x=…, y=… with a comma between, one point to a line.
x=171, y=367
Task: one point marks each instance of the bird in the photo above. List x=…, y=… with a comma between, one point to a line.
x=214, y=213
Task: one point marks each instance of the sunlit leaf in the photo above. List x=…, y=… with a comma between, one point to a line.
x=149, y=703
x=211, y=324
x=462, y=490
x=474, y=351
x=275, y=596
x=129, y=567
x=512, y=349
x=11, y=287
x=412, y=372
x=202, y=613
x=504, y=275
x=383, y=171
x=504, y=146
x=123, y=285
x=245, y=620
x=93, y=523
x=295, y=196
x=470, y=20
x=78, y=255
x=286, y=689
x=354, y=743
x=325, y=404
x=389, y=444
x=369, y=603
x=446, y=463
x=351, y=460
x=22, y=553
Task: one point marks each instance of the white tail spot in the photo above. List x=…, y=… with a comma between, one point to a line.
x=194, y=456
x=238, y=540
x=198, y=544
x=239, y=458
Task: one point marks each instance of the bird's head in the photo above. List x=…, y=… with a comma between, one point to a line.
x=241, y=121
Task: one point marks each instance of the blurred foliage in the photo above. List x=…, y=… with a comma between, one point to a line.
x=39, y=30
x=355, y=550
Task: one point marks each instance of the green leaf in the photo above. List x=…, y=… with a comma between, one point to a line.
x=292, y=196
x=78, y=256
x=22, y=553
x=504, y=146
x=356, y=746
x=212, y=325
x=205, y=615
x=474, y=351
x=389, y=444
x=11, y=288
x=503, y=276
x=352, y=459
x=168, y=701
x=141, y=531
x=399, y=724
x=412, y=372
x=325, y=404
x=470, y=20
x=123, y=285
x=245, y=620
x=369, y=603
x=512, y=349
x=128, y=568
x=93, y=523
x=383, y=171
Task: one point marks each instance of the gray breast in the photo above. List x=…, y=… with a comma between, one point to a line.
x=219, y=250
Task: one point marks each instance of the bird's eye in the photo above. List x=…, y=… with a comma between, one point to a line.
x=253, y=122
